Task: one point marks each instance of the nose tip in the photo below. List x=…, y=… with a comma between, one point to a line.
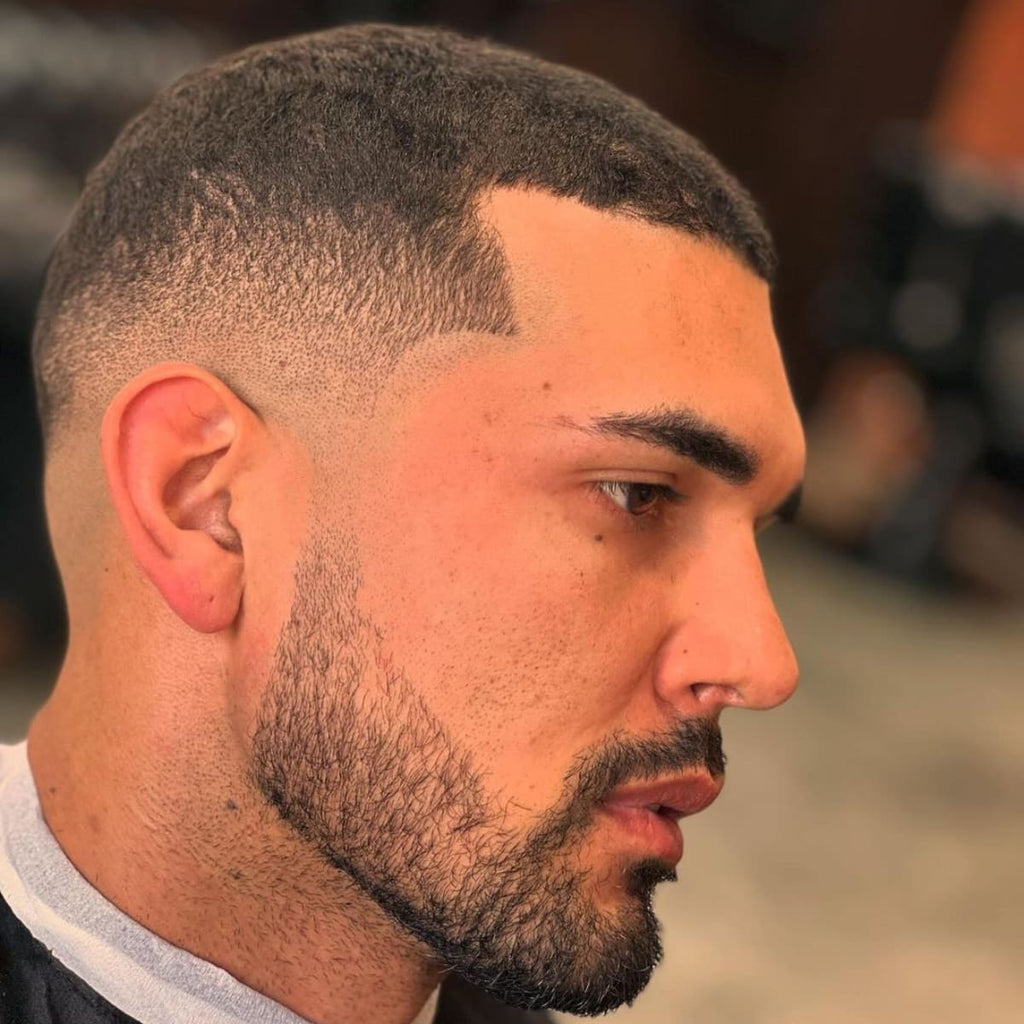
x=775, y=680
x=770, y=673
x=728, y=648
x=726, y=680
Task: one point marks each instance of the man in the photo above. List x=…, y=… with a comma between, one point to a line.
x=411, y=408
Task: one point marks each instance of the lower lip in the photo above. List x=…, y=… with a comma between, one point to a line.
x=660, y=835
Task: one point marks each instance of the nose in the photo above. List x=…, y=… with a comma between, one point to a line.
x=725, y=644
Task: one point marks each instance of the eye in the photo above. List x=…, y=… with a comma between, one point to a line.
x=637, y=499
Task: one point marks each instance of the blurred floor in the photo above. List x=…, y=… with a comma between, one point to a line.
x=864, y=863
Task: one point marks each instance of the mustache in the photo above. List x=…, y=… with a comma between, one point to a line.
x=693, y=743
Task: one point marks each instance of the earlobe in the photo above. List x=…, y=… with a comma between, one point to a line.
x=172, y=443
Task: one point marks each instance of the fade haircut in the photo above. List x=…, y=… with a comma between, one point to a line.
x=310, y=205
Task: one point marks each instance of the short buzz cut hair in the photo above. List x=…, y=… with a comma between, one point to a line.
x=311, y=204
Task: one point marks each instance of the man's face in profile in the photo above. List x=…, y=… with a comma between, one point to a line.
x=531, y=586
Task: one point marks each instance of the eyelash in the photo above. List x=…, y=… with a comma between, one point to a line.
x=664, y=495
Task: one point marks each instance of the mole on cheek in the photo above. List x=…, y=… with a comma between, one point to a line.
x=599, y=537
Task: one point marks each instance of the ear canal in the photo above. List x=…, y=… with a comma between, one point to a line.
x=193, y=504
x=211, y=516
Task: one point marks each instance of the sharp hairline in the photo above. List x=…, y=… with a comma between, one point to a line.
x=684, y=433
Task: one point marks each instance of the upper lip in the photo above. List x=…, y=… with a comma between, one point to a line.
x=677, y=797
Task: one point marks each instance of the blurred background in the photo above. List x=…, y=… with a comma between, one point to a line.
x=865, y=864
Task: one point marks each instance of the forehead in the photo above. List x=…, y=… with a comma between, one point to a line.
x=613, y=315
x=619, y=313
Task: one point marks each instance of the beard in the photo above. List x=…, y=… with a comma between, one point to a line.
x=354, y=760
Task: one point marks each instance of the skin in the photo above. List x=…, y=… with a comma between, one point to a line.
x=469, y=525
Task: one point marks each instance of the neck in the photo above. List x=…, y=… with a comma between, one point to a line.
x=155, y=810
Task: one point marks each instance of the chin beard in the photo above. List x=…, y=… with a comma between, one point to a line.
x=532, y=937
x=352, y=759
x=585, y=964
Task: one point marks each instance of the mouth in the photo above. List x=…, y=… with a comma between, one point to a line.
x=676, y=798
x=650, y=813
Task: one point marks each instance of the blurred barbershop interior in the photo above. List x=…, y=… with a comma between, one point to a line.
x=865, y=862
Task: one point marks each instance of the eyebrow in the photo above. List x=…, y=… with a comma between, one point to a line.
x=684, y=433
x=689, y=435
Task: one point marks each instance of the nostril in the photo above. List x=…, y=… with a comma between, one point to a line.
x=716, y=693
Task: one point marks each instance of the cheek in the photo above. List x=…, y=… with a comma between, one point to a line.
x=512, y=627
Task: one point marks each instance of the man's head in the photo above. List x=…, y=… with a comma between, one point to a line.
x=445, y=511
x=311, y=207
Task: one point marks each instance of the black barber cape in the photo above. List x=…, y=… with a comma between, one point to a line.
x=37, y=989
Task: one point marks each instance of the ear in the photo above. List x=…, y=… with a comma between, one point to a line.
x=172, y=444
